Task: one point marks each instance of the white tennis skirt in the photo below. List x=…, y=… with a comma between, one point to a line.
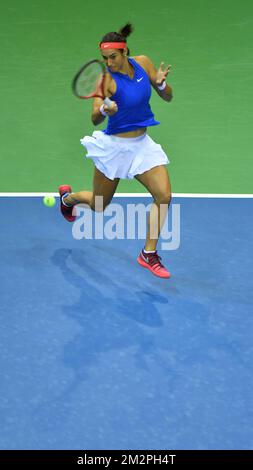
x=122, y=157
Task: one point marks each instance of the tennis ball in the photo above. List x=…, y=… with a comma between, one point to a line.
x=49, y=201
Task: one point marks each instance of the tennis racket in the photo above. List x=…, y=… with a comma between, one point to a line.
x=89, y=82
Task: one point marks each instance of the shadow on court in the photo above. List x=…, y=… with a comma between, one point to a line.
x=99, y=311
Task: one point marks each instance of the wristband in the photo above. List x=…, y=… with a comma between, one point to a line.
x=162, y=86
x=102, y=111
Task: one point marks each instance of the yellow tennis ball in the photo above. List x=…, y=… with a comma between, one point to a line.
x=49, y=201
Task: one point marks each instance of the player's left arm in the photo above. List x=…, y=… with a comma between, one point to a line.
x=158, y=77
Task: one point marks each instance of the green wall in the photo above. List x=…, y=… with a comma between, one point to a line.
x=207, y=128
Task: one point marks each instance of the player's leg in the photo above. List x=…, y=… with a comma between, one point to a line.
x=98, y=199
x=157, y=182
x=103, y=191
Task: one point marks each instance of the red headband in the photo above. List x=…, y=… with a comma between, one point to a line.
x=112, y=45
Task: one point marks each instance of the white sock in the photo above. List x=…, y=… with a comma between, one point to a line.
x=147, y=252
x=62, y=199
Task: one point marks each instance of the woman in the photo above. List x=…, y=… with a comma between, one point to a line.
x=123, y=149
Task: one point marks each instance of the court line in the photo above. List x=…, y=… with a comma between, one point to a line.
x=183, y=195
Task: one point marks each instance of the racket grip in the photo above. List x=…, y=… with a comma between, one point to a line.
x=108, y=102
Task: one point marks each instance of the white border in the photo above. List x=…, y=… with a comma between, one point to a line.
x=195, y=195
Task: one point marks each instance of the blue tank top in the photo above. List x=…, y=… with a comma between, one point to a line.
x=132, y=97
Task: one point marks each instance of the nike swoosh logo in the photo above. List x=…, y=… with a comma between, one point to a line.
x=139, y=79
x=144, y=258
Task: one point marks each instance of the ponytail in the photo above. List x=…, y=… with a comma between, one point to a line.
x=126, y=30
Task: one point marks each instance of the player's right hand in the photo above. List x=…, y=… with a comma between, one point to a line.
x=112, y=110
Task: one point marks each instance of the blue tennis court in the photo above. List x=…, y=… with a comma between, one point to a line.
x=96, y=353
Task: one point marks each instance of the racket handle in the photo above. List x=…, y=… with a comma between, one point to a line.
x=108, y=102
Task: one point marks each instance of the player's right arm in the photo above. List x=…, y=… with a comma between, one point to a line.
x=97, y=117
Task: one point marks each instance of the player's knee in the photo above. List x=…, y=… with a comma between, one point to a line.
x=163, y=198
x=97, y=208
x=98, y=204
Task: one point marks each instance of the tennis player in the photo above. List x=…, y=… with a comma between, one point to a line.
x=124, y=149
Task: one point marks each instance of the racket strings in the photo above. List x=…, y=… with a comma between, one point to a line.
x=89, y=80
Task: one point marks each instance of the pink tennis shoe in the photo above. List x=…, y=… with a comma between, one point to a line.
x=67, y=212
x=152, y=262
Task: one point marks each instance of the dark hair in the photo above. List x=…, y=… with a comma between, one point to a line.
x=121, y=36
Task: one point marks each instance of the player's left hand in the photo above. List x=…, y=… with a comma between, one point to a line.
x=162, y=73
